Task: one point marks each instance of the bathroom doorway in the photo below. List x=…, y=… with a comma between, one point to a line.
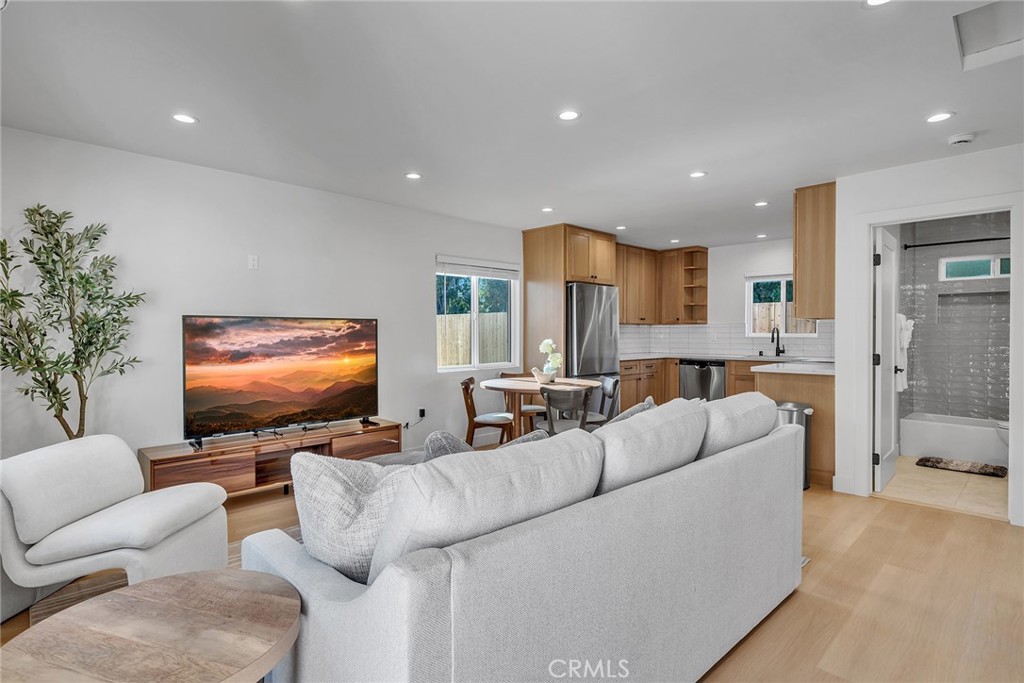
x=941, y=386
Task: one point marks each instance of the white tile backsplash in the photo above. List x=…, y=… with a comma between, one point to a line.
x=678, y=340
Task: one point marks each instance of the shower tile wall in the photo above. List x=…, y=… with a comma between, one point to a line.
x=958, y=360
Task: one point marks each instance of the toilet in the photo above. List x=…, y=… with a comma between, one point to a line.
x=1003, y=431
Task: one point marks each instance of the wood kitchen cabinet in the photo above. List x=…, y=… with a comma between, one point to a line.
x=637, y=279
x=553, y=256
x=589, y=256
x=814, y=251
x=817, y=391
x=738, y=376
x=683, y=281
x=638, y=379
x=669, y=380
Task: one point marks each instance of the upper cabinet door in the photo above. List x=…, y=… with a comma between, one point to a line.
x=578, y=257
x=602, y=259
x=670, y=272
x=647, y=280
x=814, y=251
x=621, y=252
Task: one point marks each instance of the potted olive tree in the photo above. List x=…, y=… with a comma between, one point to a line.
x=66, y=326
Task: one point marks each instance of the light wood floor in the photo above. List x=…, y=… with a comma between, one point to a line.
x=893, y=592
x=971, y=493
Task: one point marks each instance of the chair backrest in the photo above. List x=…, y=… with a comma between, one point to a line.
x=572, y=401
x=609, y=390
x=51, y=487
x=468, y=385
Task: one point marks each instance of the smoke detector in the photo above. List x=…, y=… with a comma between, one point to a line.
x=962, y=139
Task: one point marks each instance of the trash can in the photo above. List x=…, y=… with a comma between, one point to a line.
x=798, y=414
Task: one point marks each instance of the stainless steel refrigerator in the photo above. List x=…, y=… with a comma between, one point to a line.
x=592, y=332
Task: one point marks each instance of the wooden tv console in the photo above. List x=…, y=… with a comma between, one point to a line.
x=249, y=464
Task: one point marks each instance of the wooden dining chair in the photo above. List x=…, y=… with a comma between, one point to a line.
x=502, y=421
x=609, y=392
x=531, y=410
x=561, y=402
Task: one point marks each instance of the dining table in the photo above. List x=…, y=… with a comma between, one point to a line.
x=515, y=388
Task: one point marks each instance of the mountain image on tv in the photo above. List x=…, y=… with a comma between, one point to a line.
x=246, y=373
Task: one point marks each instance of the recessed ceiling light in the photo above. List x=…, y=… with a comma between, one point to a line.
x=761, y=203
x=875, y=3
x=761, y=237
x=620, y=227
x=674, y=241
x=185, y=118
x=413, y=175
x=698, y=174
x=547, y=209
x=941, y=116
x=569, y=115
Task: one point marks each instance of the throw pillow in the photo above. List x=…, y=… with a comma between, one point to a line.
x=736, y=420
x=443, y=443
x=342, y=507
x=535, y=435
x=651, y=443
x=630, y=412
x=463, y=495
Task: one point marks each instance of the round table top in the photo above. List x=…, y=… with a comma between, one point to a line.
x=219, y=625
x=528, y=385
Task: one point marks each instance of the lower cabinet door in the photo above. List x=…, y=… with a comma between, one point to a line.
x=234, y=472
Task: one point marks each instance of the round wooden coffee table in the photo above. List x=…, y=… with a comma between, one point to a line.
x=220, y=625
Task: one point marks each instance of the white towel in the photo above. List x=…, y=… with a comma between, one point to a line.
x=904, y=332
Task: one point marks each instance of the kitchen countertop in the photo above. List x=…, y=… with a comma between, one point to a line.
x=713, y=356
x=805, y=368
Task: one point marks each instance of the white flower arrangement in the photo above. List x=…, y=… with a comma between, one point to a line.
x=555, y=360
x=547, y=346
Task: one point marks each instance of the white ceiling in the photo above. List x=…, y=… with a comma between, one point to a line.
x=766, y=96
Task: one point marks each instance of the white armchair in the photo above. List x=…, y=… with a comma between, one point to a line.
x=78, y=507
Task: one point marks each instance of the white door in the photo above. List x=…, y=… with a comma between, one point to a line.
x=886, y=307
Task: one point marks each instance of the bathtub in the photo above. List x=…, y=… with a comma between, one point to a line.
x=948, y=436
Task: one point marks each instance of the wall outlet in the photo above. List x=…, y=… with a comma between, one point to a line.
x=254, y=262
x=423, y=412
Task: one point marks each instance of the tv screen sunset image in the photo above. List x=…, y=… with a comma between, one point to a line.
x=243, y=374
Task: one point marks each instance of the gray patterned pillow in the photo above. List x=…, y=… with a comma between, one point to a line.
x=535, y=435
x=443, y=443
x=342, y=506
x=630, y=412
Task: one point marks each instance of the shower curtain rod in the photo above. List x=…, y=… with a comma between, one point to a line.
x=939, y=244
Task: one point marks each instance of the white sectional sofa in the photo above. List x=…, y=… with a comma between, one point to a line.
x=655, y=578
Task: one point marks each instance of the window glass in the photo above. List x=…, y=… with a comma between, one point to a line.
x=1004, y=265
x=770, y=305
x=956, y=270
x=454, y=320
x=495, y=322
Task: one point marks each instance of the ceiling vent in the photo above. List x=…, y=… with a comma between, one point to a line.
x=990, y=33
x=957, y=140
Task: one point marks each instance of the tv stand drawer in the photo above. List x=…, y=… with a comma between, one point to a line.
x=235, y=472
x=358, y=446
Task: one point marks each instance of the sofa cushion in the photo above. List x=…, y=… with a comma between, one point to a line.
x=142, y=521
x=529, y=437
x=443, y=443
x=342, y=506
x=51, y=487
x=650, y=443
x=736, y=420
x=464, y=495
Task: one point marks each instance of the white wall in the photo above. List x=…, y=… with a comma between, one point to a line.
x=963, y=184
x=728, y=268
x=182, y=234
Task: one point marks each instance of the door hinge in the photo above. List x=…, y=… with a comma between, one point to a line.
x=876, y=459
x=877, y=260
x=876, y=359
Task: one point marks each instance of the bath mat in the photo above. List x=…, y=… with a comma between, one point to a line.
x=963, y=466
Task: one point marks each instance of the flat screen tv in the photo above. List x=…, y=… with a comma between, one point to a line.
x=245, y=374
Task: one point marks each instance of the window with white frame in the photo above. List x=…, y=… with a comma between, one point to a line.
x=974, y=267
x=477, y=307
x=769, y=304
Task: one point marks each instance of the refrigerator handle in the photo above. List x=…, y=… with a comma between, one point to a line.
x=571, y=369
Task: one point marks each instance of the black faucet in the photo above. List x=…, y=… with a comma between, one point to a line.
x=776, y=338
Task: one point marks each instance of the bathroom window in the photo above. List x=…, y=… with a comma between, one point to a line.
x=973, y=267
x=769, y=304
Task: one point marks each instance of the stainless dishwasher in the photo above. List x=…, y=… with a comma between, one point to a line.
x=702, y=379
